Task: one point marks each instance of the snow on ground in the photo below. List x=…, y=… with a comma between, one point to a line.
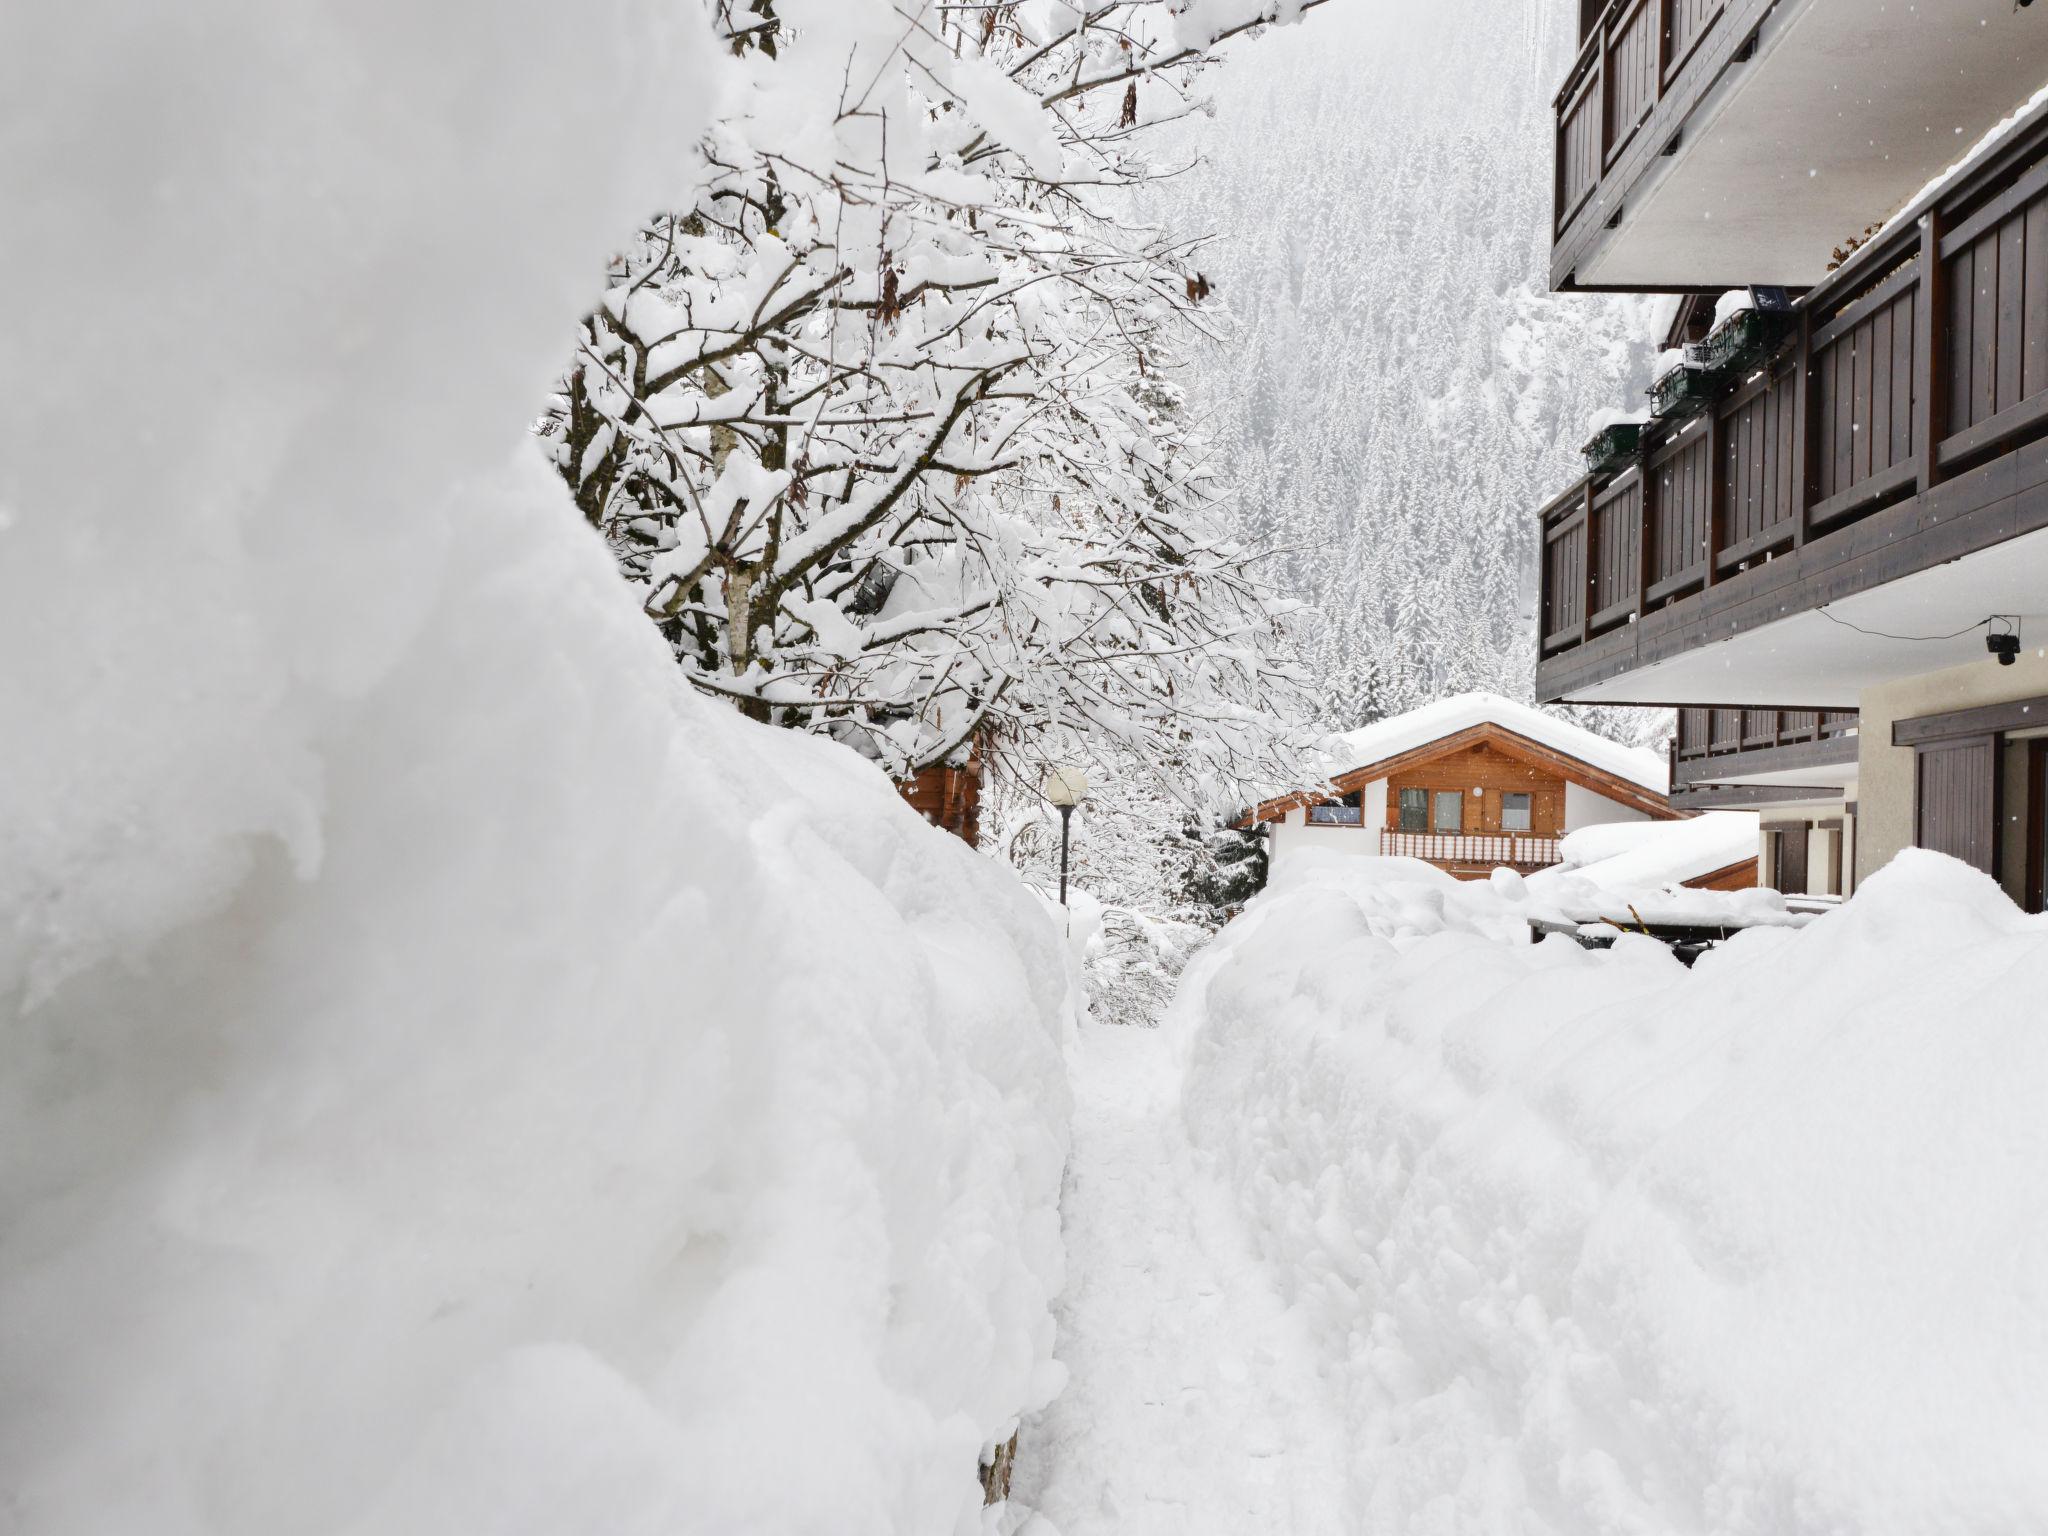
x=1194, y=1405
x=1635, y=871
x=451, y=1079
x=1589, y=1242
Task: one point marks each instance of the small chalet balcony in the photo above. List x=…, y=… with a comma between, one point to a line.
x=1717, y=143
x=1480, y=850
x=1884, y=471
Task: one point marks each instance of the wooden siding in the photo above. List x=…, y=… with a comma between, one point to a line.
x=1494, y=773
x=1956, y=800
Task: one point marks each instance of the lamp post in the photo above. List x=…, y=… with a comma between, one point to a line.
x=1064, y=788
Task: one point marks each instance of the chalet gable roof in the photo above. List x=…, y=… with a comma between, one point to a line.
x=1630, y=776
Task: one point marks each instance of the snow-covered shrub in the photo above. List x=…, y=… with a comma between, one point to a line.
x=1593, y=1243
x=452, y=1079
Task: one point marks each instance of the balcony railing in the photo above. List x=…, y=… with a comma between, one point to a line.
x=1639, y=60
x=1920, y=364
x=1513, y=849
x=1721, y=732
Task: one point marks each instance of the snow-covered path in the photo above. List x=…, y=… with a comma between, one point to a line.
x=1194, y=1407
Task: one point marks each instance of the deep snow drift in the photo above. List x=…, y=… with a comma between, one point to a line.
x=1592, y=1243
x=450, y=1080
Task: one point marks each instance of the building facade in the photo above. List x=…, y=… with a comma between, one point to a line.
x=1469, y=784
x=1827, y=545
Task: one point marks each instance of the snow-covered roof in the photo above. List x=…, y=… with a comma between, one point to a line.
x=1630, y=855
x=1446, y=717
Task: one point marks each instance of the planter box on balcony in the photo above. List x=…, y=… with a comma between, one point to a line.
x=1686, y=391
x=1741, y=343
x=1613, y=446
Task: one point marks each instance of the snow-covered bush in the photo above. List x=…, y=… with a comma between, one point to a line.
x=452, y=1078
x=1593, y=1243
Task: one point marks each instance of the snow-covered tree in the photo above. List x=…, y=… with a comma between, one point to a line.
x=882, y=422
x=1399, y=391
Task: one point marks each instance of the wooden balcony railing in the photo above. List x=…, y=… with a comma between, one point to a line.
x=1726, y=732
x=1514, y=849
x=1634, y=57
x=1923, y=359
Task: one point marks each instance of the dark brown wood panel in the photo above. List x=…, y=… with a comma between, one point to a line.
x=1863, y=382
x=1686, y=22
x=1564, y=582
x=1955, y=800
x=1998, y=313
x=1789, y=842
x=1578, y=149
x=1684, y=503
x=1616, y=524
x=1632, y=75
x=1757, y=434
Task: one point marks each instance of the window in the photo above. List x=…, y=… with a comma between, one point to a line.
x=1347, y=812
x=1414, y=810
x=1450, y=810
x=1514, y=813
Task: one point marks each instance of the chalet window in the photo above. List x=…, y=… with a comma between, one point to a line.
x=1450, y=810
x=1414, y=810
x=1514, y=812
x=1347, y=812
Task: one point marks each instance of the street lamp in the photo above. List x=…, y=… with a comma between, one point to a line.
x=1064, y=788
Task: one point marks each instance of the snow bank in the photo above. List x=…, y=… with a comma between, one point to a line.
x=450, y=1079
x=1593, y=1243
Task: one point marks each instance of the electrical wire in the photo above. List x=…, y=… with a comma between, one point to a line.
x=1886, y=635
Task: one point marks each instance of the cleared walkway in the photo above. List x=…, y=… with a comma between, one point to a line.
x=1194, y=1407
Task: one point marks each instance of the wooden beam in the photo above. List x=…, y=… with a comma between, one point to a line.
x=1988, y=719
x=1930, y=333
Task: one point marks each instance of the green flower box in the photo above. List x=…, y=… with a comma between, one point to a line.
x=1613, y=445
x=1739, y=344
x=1686, y=391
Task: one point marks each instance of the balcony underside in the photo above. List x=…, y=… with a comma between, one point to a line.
x=1753, y=171
x=1933, y=566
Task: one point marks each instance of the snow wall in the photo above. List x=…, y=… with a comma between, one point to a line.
x=1594, y=1244
x=450, y=1079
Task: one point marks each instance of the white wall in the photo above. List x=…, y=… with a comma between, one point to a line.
x=1884, y=798
x=1583, y=808
x=1294, y=831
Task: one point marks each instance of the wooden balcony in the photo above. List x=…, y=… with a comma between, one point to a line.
x=1480, y=851
x=1643, y=65
x=1679, y=118
x=1900, y=427
x=1763, y=748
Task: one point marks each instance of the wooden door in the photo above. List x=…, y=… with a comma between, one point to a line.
x=2037, y=826
x=1955, y=800
x=1792, y=860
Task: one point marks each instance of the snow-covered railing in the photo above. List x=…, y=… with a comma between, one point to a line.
x=1509, y=848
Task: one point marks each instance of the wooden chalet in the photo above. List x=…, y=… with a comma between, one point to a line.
x=1828, y=547
x=1469, y=784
